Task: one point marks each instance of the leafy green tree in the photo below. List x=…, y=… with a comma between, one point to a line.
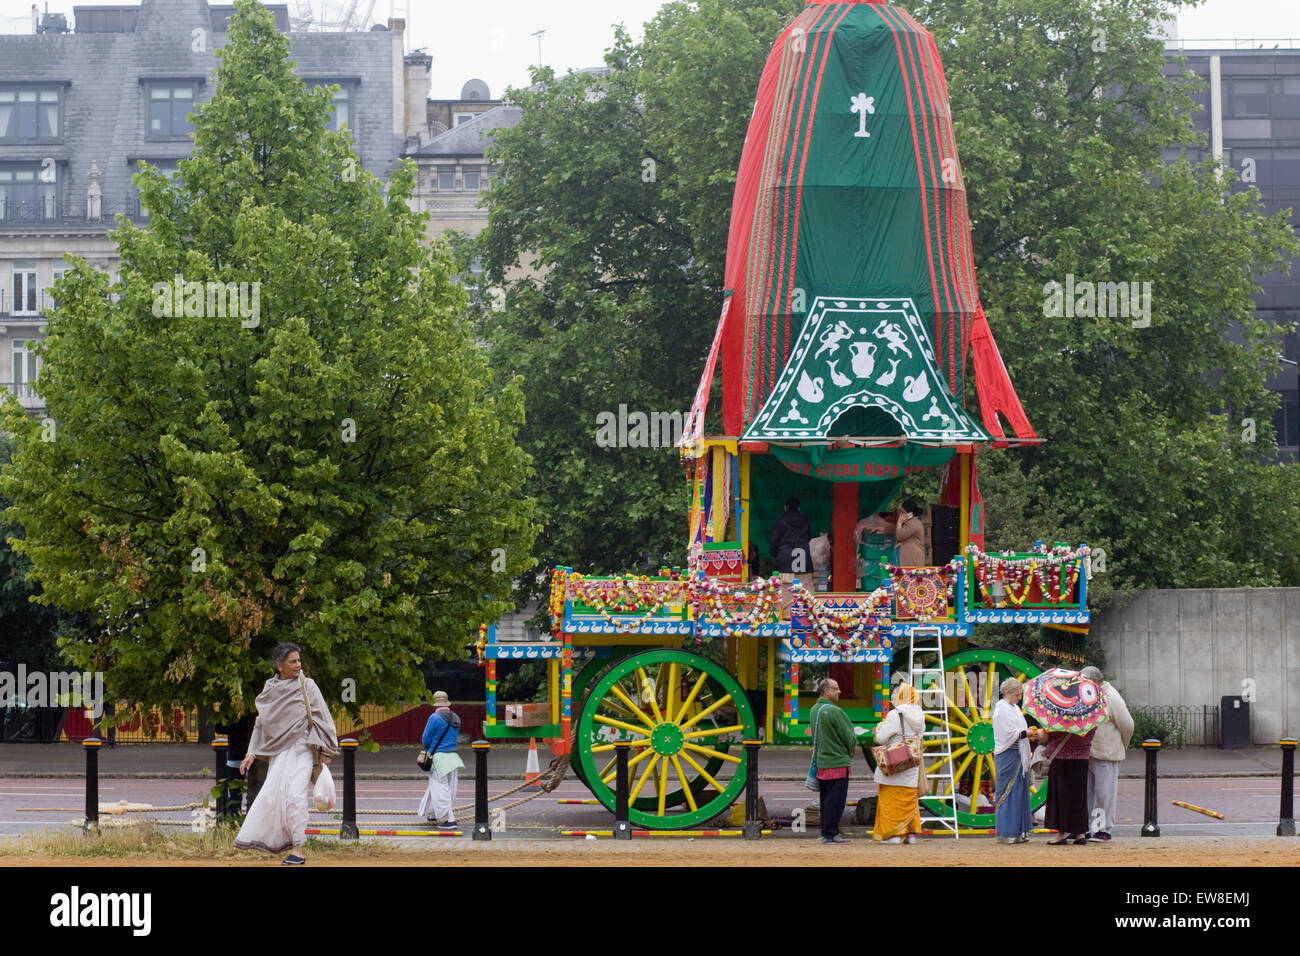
x=326, y=460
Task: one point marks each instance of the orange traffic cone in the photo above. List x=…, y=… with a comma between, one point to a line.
x=532, y=770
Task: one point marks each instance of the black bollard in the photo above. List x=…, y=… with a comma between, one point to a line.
x=753, y=828
x=1151, y=828
x=348, y=828
x=1286, y=819
x=622, y=826
x=482, y=831
x=91, y=745
x=219, y=746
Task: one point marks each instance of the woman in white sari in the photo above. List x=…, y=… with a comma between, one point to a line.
x=293, y=722
x=1011, y=737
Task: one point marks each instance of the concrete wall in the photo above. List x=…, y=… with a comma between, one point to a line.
x=1192, y=647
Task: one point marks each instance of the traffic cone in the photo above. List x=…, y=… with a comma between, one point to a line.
x=533, y=769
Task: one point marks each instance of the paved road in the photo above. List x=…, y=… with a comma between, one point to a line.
x=1250, y=805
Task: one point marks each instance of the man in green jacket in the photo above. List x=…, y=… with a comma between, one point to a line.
x=833, y=745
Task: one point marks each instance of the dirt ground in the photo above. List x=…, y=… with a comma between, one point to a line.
x=665, y=851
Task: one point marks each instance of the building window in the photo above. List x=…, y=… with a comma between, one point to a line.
x=1248, y=98
x=24, y=288
x=169, y=107
x=25, y=365
x=170, y=169
x=463, y=118
x=341, y=112
x=29, y=192
x=471, y=181
x=29, y=113
x=446, y=180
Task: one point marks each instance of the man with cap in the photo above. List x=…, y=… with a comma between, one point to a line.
x=439, y=740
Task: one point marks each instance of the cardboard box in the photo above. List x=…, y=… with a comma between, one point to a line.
x=528, y=715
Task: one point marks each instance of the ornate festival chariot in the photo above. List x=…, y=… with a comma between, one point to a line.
x=850, y=311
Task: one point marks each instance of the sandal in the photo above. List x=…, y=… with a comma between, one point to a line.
x=1081, y=841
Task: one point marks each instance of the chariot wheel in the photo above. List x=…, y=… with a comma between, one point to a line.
x=681, y=713
x=971, y=692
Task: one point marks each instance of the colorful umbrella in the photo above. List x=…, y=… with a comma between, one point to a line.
x=1063, y=700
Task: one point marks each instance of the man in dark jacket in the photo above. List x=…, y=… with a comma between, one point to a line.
x=789, y=542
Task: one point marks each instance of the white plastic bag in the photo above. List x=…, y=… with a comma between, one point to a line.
x=323, y=795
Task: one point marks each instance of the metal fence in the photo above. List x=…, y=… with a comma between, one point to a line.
x=1176, y=725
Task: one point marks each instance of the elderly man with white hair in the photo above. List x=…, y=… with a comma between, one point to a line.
x=1108, y=749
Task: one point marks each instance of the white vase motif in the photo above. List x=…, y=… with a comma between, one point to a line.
x=864, y=358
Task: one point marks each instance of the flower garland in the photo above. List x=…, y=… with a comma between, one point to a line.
x=757, y=604
x=843, y=630
x=625, y=596
x=1056, y=570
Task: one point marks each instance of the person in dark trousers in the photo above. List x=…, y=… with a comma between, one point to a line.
x=790, y=543
x=833, y=744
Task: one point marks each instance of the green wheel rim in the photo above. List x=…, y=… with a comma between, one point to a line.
x=971, y=726
x=658, y=683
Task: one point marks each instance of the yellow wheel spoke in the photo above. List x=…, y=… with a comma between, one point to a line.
x=620, y=724
x=972, y=703
x=609, y=778
x=733, y=729
x=934, y=742
x=647, y=692
x=702, y=772
x=609, y=766
x=960, y=770
x=622, y=695
x=988, y=690
x=686, y=784
x=649, y=768
x=690, y=698
x=720, y=702
x=975, y=787
x=955, y=714
x=663, y=785
x=606, y=748
x=711, y=753
x=672, y=688
x=934, y=766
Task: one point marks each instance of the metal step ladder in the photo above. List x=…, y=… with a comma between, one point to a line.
x=926, y=648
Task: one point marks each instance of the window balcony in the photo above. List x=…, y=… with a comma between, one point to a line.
x=25, y=392
x=22, y=308
x=25, y=214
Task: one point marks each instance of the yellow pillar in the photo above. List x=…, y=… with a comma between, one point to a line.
x=744, y=516
x=553, y=687
x=965, y=460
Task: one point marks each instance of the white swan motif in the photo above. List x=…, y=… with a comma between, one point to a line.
x=810, y=389
x=888, y=377
x=917, y=388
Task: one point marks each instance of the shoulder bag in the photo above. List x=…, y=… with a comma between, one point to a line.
x=424, y=760
x=903, y=753
x=812, y=783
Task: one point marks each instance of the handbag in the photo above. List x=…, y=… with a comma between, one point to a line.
x=812, y=783
x=424, y=759
x=904, y=753
x=316, y=763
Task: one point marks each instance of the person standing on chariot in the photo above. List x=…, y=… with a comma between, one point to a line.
x=898, y=813
x=790, y=542
x=833, y=745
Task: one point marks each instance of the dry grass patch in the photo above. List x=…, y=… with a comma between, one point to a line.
x=136, y=840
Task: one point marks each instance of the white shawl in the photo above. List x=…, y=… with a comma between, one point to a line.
x=1008, y=722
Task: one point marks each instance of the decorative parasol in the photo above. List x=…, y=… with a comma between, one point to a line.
x=1064, y=700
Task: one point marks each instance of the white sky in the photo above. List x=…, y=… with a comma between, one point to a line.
x=491, y=39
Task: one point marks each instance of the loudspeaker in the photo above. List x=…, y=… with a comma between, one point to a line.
x=945, y=533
